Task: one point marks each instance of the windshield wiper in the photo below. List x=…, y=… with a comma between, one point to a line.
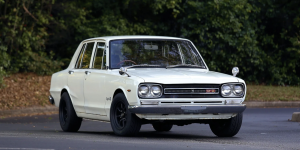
x=123, y=70
x=143, y=65
x=185, y=65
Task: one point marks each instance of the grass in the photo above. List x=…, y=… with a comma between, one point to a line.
x=28, y=90
x=272, y=93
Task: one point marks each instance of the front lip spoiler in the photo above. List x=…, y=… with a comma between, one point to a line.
x=187, y=109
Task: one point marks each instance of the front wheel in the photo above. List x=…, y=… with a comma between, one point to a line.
x=228, y=127
x=122, y=121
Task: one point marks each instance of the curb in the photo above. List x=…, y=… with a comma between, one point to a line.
x=296, y=117
x=54, y=110
x=276, y=104
x=29, y=111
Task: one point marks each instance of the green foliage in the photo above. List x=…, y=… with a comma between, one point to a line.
x=225, y=34
x=279, y=40
x=261, y=37
x=4, y=61
x=23, y=30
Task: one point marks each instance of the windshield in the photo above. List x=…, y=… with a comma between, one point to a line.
x=158, y=53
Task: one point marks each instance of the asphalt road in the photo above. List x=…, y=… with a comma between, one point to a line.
x=265, y=128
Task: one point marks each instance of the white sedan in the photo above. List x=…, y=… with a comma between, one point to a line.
x=134, y=80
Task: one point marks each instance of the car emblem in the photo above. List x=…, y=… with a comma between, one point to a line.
x=192, y=91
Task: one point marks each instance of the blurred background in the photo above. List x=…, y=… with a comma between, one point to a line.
x=261, y=37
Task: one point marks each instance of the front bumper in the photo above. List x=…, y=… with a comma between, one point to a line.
x=187, y=109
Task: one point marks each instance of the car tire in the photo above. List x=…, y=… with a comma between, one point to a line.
x=160, y=127
x=227, y=128
x=68, y=119
x=123, y=122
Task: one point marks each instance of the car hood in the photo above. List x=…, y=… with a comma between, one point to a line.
x=181, y=75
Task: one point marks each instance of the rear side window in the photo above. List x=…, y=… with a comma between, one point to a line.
x=79, y=59
x=100, y=56
x=85, y=56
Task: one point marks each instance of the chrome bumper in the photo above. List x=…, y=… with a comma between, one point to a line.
x=187, y=109
x=51, y=100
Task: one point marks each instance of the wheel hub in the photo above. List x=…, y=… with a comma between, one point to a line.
x=120, y=115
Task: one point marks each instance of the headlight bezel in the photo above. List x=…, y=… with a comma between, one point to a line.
x=150, y=94
x=233, y=93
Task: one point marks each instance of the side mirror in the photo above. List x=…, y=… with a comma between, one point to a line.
x=123, y=71
x=235, y=71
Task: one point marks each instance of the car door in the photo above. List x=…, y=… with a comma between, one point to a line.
x=94, y=83
x=77, y=74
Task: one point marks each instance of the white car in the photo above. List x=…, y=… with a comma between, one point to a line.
x=134, y=80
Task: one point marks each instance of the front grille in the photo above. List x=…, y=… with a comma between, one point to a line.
x=191, y=85
x=191, y=91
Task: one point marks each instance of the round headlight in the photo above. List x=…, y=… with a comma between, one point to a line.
x=226, y=90
x=238, y=90
x=143, y=90
x=156, y=90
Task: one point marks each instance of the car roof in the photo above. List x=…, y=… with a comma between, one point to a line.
x=107, y=38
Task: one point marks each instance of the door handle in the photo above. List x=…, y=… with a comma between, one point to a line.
x=71, y=71
x=87, y=72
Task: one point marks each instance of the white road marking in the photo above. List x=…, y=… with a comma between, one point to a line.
x=26, y=148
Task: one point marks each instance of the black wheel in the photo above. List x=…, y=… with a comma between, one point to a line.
x=228, y=127
x=68, y=119
x=162, y=126
x=122, y=121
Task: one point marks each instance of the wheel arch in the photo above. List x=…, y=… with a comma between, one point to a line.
x=129, y=94
x=117, y=91
x=120, y=90
x=65, y=89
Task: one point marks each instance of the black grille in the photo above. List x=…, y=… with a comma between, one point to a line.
x=190, y=91
x=191, y=86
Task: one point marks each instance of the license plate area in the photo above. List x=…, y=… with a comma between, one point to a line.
x=193, y=109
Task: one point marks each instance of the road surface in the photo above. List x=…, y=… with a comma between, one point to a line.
x=263, y=128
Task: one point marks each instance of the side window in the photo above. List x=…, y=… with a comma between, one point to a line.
x=79, y=59
x=86, y=58
x=100, y=56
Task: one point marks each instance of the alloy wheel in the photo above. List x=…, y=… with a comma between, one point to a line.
x=120, y=115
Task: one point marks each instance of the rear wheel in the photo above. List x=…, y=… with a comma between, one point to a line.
x=122, y=121
x=227, y=128
x=68, y=119
x=162, y=126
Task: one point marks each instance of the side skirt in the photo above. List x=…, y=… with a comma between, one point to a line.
x=93, y=116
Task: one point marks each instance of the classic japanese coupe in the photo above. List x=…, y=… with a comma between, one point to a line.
x=134, y=80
